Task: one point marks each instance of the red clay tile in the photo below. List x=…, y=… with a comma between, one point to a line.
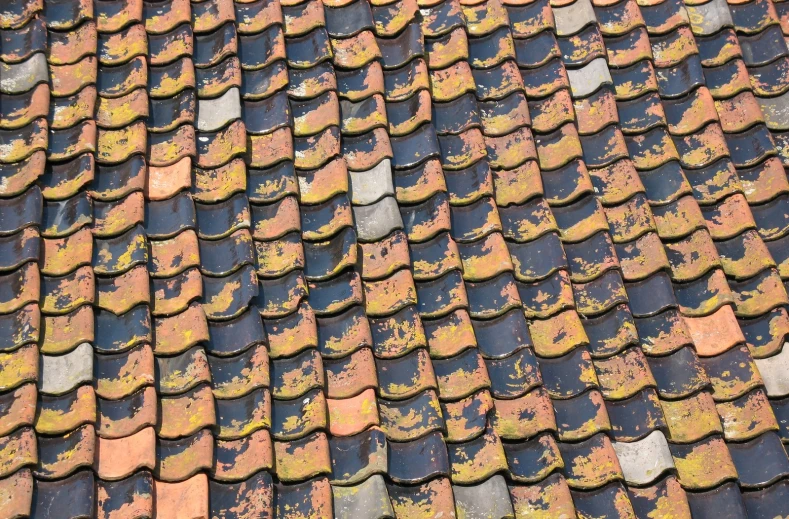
x=172, y=256
x=59, y=256
x=390, y=294
x=165, y=182
x=478, y=459
x=449, y=335
x=118, y=376
x=166, y=17
x=177, y=333
x=238, y=459
x=119, y=458
x=349, y=416
x=433, y=498
x=356, y=51
x=704, y=464
x=549, y=498
x=623, y=375
x=16, y=494
x=692, y=418
x=70, y=79
x=63, y=295
x=18, y=408
x=121, y=294
x=185, y=500
x=61, y=414
x=186, y=414
x=449, y=83
x=115, y=146
x=290, y=458
x=267, y=150
x=351, y=375
x=17, y=450
x=594, y=113
x=214, y=185
x=715, y=333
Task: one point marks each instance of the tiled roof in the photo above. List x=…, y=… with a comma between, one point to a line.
x=364, y=259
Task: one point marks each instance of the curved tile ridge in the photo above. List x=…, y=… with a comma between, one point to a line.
x=775, y=372
x=213, y=114
x=644, y=460
x=709, y=18
x=589, y=78
x=572, y=18
x=17, y=78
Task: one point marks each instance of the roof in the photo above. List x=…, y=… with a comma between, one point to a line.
x=363, y=259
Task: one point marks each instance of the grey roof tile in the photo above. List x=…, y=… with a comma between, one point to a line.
x=20, y=77
x=775, y=372
x=375, y=221
x=588, y=79
x=370, y=186
x=775, y=111
x=367, y=500
x=213, y=114
x=572, y=18
x=487, y=500
x=709, y=18
x=60, y=374
x=643, y=461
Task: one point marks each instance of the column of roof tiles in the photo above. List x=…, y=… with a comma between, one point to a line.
x=410, y=411
x=643, y=120
x=749, y=262
x=625, y=372
x=627, y=43
x=708, y=163
x=558, y=149
x=184, y=443
x=68, y=287
x=124, y=371
x=24, y=106
x=759, y=295
x=360, y=446
x=597, y=295
x=227, y=233
x=756, y=26
x=773, y=105
x=761, y=177
x=685, y=392
x=664, y=336
x=281, y=222
x=235, y=360
x=523, y=413
x=347, y=400
x=468, y=46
